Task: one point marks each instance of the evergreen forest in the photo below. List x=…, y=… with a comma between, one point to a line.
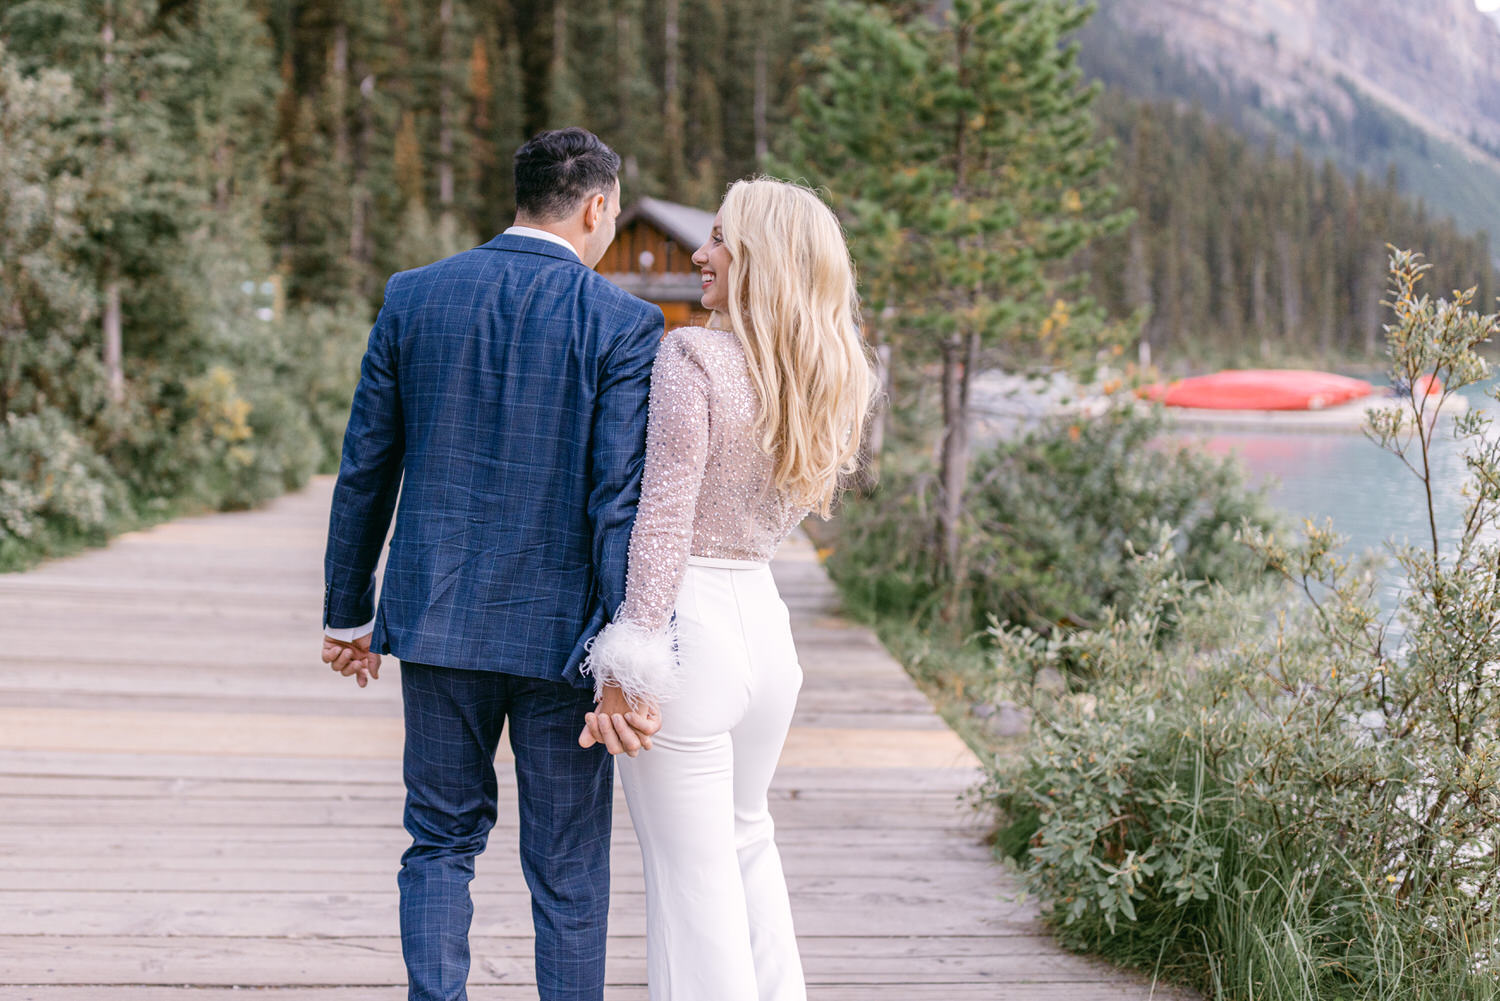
x=203, y=199
x=1242, y=253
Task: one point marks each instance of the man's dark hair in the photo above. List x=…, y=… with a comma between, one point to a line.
x=557, y=170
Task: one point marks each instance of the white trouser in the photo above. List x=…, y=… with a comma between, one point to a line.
x=718, y=922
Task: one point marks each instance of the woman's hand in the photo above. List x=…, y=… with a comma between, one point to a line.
x=619, y=726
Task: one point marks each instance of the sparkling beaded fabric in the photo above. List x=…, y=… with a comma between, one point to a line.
x=707, y=485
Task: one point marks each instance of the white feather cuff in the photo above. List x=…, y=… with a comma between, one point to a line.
x=641, y=662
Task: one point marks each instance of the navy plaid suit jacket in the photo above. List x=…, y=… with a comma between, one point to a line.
x=503, y=395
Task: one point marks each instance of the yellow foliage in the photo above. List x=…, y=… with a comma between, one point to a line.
x=221, y=408
x=1057, y=321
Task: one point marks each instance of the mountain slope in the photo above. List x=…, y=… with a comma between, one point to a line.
x=1375, y=85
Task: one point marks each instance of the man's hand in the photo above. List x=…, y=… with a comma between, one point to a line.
x=618, y=726
x=352, y=659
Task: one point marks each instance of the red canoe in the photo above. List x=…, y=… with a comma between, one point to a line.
x=1261, y=389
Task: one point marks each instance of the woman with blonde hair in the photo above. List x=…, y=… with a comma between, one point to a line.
x=754, y=421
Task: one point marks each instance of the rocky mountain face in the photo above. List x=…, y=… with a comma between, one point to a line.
x=1435, y=63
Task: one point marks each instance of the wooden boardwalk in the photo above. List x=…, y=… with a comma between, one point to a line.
x=191, y=805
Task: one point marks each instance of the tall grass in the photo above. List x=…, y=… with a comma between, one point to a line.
x=1274, y=930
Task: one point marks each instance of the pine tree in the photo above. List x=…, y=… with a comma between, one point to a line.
x=636, y=104
x=138, y=201
x=46, y=295
x=674, y=134
x=532, y=24
x=964, y=158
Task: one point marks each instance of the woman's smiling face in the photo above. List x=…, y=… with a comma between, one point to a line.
x=713, y=260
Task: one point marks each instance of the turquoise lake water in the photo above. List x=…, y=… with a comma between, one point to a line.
x=1369, y=495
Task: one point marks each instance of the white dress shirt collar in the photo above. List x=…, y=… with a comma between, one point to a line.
x=542, y=234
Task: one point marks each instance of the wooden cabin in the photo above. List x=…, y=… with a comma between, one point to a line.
x=652, y=257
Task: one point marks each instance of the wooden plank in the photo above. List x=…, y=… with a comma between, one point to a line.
x=185, y=687
x=314, y=870
x=623, y=946
x=812, y=811
x=377, y=961
x=288, y=735
x=947, y=883
x=820, y=846
x=925, y=788
x=153, y=678
x=352, y=771
x=1118, y=988
x=853, y=912
x=118, y=992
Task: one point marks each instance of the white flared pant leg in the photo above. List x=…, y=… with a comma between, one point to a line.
x=718, y=920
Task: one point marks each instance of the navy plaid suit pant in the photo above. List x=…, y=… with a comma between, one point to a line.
x=454, y=720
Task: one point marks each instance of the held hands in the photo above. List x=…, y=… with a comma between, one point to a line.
x=352, y=659
x=619, y=726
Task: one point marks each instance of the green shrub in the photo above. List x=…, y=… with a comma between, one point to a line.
x=1054, y=517
x=1240, y=809
x=1050, y=522
x=55, y=491
x=324, y=347
x=238, y=433
x=1294, y=806
x=252, y=426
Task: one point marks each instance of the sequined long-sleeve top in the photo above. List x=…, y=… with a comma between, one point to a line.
x=706, y=492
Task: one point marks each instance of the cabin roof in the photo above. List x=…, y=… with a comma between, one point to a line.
x=683, y=223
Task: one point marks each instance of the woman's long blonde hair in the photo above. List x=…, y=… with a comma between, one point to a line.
x=793, y=305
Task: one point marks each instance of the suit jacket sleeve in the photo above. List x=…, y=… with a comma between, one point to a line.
x=618, y=450
x=369, y=481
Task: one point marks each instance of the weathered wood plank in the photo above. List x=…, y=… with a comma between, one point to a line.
x=1117, y=988
x=818, y=711
x=927, y=787
x=248, y=768
x=831, y=869
x=821, y=813
x=951, y=883
x=377, y=961
x=148, y=839
x=289, y=735
x=853, y=912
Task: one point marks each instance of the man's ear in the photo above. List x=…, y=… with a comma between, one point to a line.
x=593, y=213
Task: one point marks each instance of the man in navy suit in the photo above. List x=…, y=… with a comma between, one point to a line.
x=502, y=398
